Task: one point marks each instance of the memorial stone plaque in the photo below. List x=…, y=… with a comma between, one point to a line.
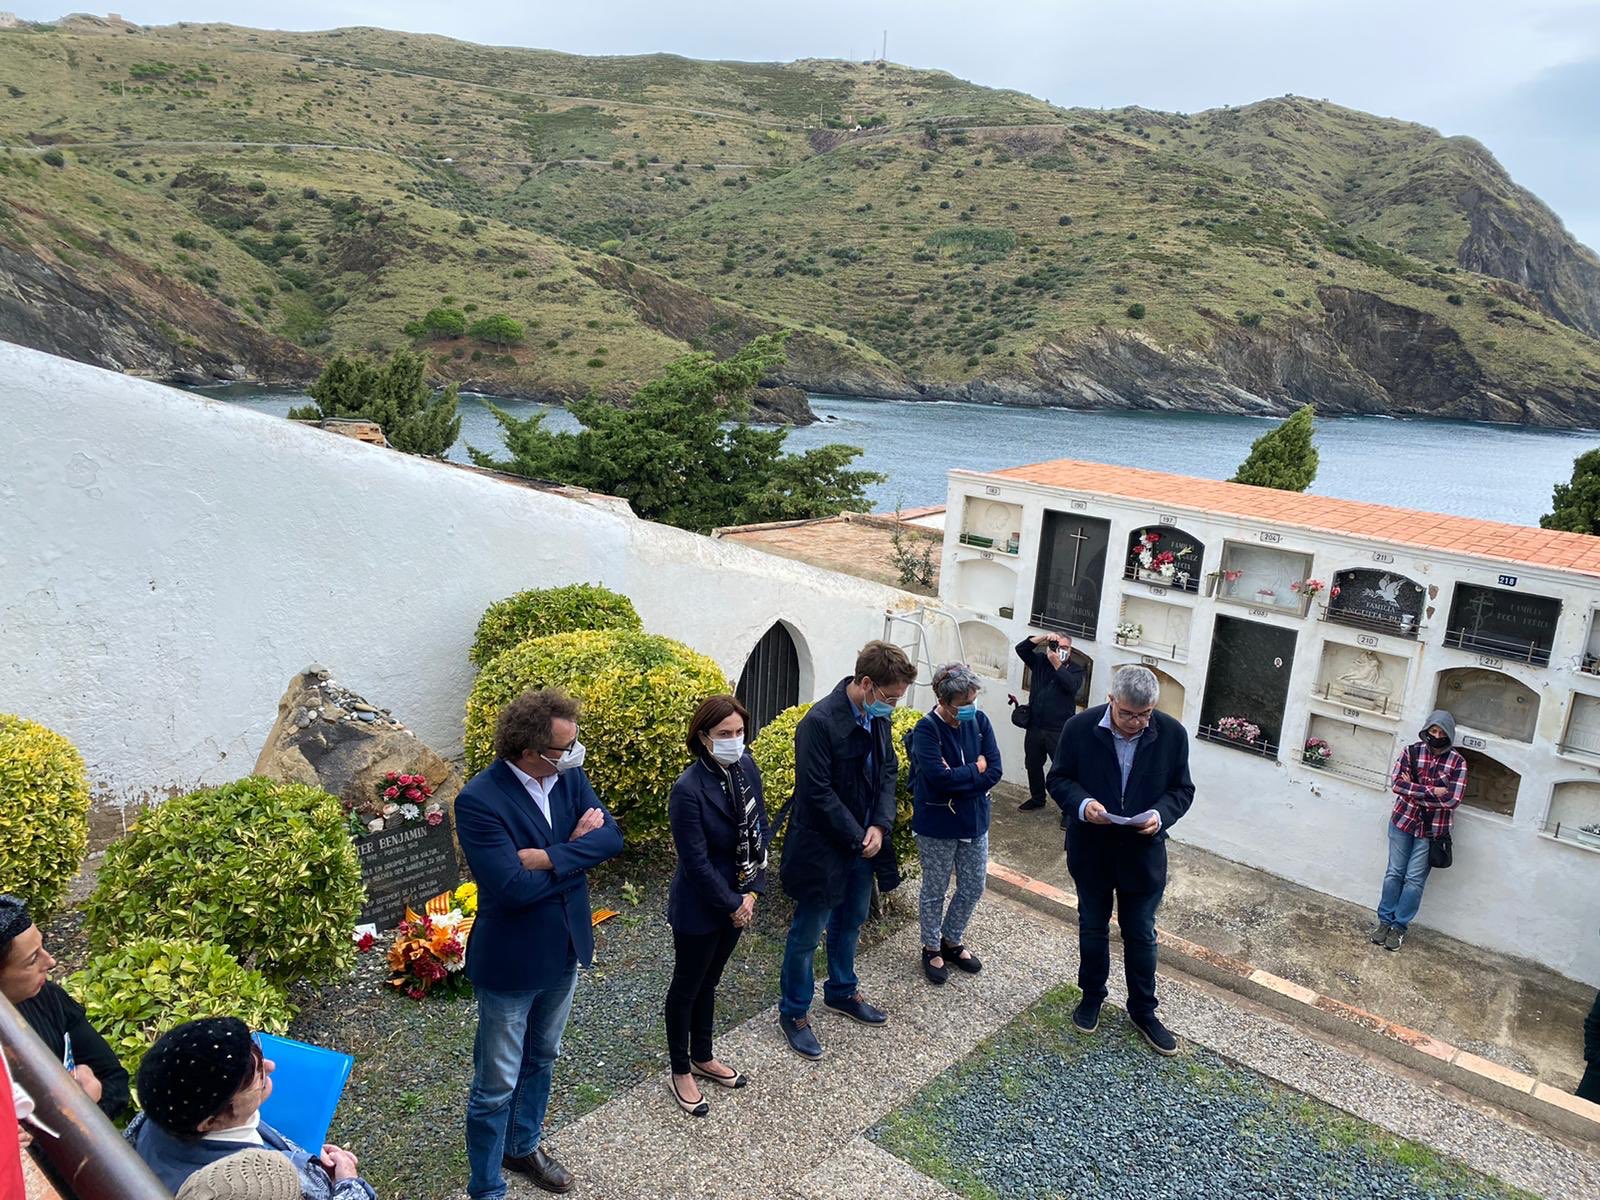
x=1376, y=598
x=1511, y=624
x=1249, y=674
x=1072, y=569
x=407, y=865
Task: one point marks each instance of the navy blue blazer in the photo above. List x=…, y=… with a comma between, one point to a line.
x=529, y=922
x=950, y=796
x=1086, y=768
x=705, y=832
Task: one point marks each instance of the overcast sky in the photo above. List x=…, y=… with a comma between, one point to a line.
x=1522, y=76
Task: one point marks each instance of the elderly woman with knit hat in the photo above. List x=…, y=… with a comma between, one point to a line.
x=201, y=1087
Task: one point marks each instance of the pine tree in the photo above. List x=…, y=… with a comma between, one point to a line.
x=1283, y=457
x=413, y=418
x=1575, y=506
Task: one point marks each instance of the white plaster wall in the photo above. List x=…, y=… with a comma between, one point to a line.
x=1513, y=888
x=168, y=562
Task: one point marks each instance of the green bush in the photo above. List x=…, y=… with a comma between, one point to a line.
x=773, y=751
x=541, y=612
x=266, y=869
x=135, y=994
x=1136, y=311
x=638, y=692
x=44, y=812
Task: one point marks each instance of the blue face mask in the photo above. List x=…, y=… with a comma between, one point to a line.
x=877, y=708
x=966, y=712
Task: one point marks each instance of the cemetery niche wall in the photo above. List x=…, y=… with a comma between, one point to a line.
x=1247, y=685
x=1166, y=556
x=1263, y=577
x=1378, y=600
x=1490, y=701
x=1071, y=574
x=1500, y=623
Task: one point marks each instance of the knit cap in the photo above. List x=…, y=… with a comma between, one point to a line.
x=247, y=1175
x=193, y=1070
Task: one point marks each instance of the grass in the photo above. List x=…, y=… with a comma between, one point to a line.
x=932, y=245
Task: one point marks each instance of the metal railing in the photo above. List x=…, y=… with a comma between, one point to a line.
x=86, y=1155
x=1262, y=748
x=1519, y=650
x=1077, y=629
x=1353, y=696
x=1377, y=777
x=1139, y=575
x=1394, y=628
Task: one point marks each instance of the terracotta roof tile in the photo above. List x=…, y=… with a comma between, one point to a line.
x=1403, y=526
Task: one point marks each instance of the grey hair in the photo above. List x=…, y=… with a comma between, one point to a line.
x=955, y=680
x=1135, y=686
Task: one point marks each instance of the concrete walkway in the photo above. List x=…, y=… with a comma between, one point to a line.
x=795, y=1132
x=1508, y=1010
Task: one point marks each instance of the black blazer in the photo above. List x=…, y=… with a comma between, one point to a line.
x=1086, y=768
x=705, y=832
x=835, y=798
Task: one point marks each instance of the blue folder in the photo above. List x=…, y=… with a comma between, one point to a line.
x=306, y=1085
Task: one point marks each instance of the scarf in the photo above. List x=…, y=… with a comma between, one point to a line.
x=749, y=854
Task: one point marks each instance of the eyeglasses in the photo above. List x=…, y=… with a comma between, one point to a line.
x=1141, y=716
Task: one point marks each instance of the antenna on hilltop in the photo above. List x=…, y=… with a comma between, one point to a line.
x=884, y=54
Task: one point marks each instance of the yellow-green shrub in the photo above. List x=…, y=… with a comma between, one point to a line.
x=542, y=612
x=773, y=751
x=136, y=993
x=44, y=812
x=266, y=869
x=638, y=692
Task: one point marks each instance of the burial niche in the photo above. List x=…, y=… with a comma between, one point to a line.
x=1247, y=685
x=1491, y=785
x=1263, y=577
x=1583, y=727
x=1575, y=812
x=1490, y=701
x=987, y=651
x=1165, y=556
x=1359, y=677
x=985, y=586
x=1503, y=624
x=1376, y=600
x=1071, y=575
x=1172, y=694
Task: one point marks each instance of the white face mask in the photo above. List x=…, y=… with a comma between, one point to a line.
x=727, y=750
x=571, y=758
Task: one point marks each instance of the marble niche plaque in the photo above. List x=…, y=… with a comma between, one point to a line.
x=1248, y=675
x=1379, y=600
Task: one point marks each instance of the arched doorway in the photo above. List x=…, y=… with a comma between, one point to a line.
x=770, y=681
x=1172, y=695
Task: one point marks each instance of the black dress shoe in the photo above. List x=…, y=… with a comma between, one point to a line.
x=542, y=1169
x=1031, y=805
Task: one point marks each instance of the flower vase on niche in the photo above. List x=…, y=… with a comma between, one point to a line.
x=1129, y=633
x=1266, y=597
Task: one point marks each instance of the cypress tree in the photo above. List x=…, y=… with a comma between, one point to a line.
x=1283, y=457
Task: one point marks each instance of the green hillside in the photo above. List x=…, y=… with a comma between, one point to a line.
x=205, y=199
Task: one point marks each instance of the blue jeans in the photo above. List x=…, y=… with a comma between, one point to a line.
x=519, y=1039
x=1403, y=881
x=941, y=856
x=797, y=982
x=1136, y=918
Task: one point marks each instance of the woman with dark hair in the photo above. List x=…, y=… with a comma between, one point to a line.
x=720, y=831
x=955, y=761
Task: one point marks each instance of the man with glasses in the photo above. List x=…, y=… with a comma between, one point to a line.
x=532, y=828
x=201, y=1087
x=1121, y=777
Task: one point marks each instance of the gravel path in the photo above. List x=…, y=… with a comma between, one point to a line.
x=1042, y=1111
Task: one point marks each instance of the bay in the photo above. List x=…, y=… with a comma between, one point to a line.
x=1495, y=472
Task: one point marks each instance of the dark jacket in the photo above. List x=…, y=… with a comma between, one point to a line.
x=529, y=921
x=1054, y=697
x=1086, y=768
x=835, y=799
x=705, y=832
x=54, y=1016
x=950, y=797
x=173, y=1159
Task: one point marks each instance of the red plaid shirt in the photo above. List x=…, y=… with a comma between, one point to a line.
x=1417, y=810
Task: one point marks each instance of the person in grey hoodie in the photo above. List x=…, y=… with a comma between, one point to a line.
x=1429, y=780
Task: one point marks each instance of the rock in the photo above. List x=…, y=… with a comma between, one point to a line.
x=375, y=825
x=780, y=405
x=344, y=756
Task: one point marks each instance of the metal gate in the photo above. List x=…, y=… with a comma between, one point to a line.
x=770, y=681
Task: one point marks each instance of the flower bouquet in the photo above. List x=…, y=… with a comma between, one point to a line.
x=398, y=799
x=1237, y=729
x=1316, y=753
x=1308, y=587
x=430, y=950
x=1129, y=633
x=1159, y=566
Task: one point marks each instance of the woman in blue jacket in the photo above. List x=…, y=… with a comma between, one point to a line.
x=720, y=830
x=954, y=763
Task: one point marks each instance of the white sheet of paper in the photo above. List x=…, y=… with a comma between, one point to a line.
x=1138, y=819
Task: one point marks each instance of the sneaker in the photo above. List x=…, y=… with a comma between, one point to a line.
x=1086, y=1017
x=1158, y=1035
x=857, y=1009
x=800, y=1036
x=1392, y=939
x=1377, y=933
x=1031, y=804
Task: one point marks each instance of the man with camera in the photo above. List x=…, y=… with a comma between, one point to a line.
x=1052, y=702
